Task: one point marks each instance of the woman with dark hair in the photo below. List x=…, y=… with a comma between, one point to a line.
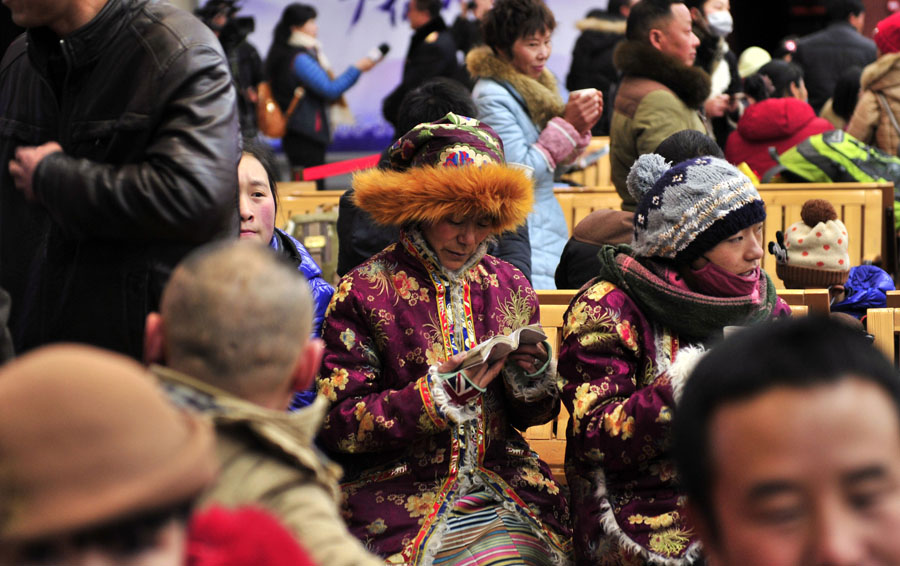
x=258, y=208
x=779, y=116
x=517, y=96
x=296, y=59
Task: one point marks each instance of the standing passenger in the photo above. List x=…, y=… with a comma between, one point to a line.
x=295, y=60
x=517, y=96
x=119, y=151
x=431, y=53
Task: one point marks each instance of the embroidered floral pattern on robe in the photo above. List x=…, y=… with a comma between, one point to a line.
x=405, y=462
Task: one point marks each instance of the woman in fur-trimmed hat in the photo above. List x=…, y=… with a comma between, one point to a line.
x=434, y=470
x=692, y=269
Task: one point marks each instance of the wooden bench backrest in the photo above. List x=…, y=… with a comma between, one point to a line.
x=817, y=300
x=884, y=324
x=578, y=202
x=859, y=205
x=295, y=198
x=597, y=174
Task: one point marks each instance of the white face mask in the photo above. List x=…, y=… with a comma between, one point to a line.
x=720, y=23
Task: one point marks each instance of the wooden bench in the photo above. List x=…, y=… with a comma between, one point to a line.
x=816, y=300
x=893, y=299
x=549, y=440
x=865, y=208
x=578, y=202
x=598, y=173
x=884, y=324
x=302, y=198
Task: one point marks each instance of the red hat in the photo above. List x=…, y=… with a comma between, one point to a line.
x=237, y=537
x=887, y=34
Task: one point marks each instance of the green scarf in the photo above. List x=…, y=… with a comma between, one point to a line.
x=694, y=316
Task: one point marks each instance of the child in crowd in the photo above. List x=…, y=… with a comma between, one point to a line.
x=259, y=207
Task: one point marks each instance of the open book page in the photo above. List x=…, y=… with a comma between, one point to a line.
x=499, y=346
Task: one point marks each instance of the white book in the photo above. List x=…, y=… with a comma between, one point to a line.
x=492, y=350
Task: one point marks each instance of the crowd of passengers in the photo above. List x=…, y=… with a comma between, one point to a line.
x=182, y=386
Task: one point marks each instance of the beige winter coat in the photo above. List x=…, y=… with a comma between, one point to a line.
x=870, y=123
x=268, y=459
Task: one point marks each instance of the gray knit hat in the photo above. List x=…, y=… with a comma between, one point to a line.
x=687, y=209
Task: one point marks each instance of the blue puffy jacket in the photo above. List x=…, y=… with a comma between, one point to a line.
x=866, y=288
x=321, y=290
x=503, y=109
x=321, y=293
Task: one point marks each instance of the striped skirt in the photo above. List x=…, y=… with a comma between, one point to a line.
x=481, y=532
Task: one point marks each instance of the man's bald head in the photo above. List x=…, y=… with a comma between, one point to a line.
x=237, y=317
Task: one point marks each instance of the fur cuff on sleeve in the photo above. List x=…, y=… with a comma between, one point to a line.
x=559, y=142
x=530, y=389
x=685, y=360
x=453, y=410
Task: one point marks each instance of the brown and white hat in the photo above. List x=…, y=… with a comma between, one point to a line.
x=816, y=249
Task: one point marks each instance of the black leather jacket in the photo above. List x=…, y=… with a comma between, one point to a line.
x=142, y=102
x=825, y=54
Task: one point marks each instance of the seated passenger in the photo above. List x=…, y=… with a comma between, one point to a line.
x=779, y=117
x=578, y=263
x=436, y=472
x=874, y=120
x=691, y=270
x=259, y=207
x=360, y=237
x=232, y=340
x=787, y=440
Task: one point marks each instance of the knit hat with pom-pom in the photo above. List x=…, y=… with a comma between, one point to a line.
x=687, y=209
x=816, y=249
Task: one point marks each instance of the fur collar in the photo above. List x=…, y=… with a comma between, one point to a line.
x=608, y=25
x=880, y=69
x=690, y=84
x=430, y=194
x=541, y=96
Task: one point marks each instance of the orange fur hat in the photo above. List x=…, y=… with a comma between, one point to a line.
x=452, y=167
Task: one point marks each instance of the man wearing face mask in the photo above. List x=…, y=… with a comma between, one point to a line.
x=712, y=23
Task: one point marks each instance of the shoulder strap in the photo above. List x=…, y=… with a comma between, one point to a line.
x=887, y=109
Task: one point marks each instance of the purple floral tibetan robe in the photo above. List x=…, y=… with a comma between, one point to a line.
x=405, y=461
x=613, y=362
x=619, y=375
